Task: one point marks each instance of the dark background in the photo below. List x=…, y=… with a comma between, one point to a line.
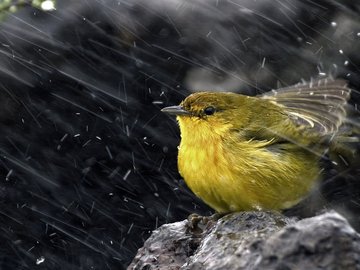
x=88, y=162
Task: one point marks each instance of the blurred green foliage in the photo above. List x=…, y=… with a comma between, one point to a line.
x=11, y=6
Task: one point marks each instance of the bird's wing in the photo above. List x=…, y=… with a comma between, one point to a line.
x=319, y=106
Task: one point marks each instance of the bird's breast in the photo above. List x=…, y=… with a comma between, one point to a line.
x=205, y=171
x=208, y=171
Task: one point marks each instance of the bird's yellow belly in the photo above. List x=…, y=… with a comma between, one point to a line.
x=212, y=179
x=216, y=177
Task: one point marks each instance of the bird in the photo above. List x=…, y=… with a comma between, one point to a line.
x=244, y=153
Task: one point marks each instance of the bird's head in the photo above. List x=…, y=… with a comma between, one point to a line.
x=209, y=112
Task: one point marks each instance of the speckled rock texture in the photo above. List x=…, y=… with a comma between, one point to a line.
x=252, y=240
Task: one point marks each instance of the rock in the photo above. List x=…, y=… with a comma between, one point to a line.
x=172, y=245
x=252, y=240
x=322, y=242
x=169, y=247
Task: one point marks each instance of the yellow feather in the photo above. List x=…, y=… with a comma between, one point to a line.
x=230, y=174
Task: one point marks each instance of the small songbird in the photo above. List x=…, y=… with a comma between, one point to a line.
x=240, y=152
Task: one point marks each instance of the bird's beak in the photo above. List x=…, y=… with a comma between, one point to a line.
x=175, y=110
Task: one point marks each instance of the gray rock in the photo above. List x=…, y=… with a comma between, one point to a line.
x=252, y=240
x=322, y=242
x=169, y=247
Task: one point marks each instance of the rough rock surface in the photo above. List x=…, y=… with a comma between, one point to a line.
x=252, y=240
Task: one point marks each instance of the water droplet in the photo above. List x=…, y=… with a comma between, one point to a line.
x=48, y=5
x=7, y=178
x=40, y=260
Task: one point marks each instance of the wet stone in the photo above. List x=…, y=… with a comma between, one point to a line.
x=252, y=240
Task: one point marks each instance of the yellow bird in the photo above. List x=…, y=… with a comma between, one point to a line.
x=258, y=153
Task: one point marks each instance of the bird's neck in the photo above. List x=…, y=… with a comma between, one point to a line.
x=201, y=147
x=196, y=131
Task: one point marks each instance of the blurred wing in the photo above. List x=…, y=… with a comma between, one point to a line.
x=319, y=106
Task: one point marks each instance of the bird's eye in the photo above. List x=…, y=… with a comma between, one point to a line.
x=209, y=110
